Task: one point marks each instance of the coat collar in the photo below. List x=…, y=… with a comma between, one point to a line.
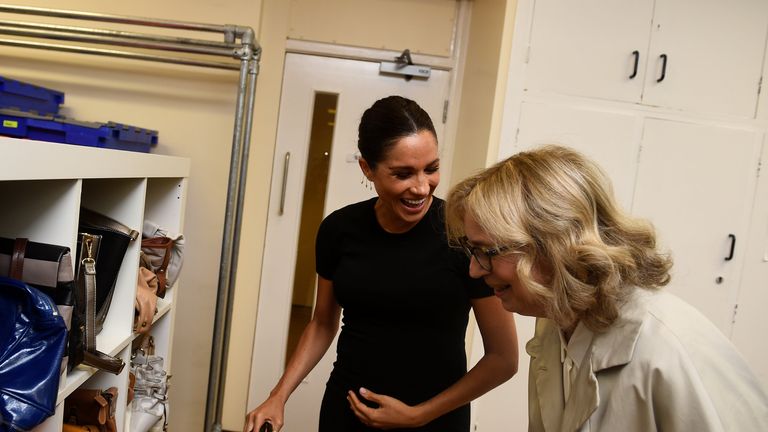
x=614, y=347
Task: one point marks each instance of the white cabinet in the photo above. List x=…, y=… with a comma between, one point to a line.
x=692, y=55
x=751, y=325
x=682, y=152
x=43, y=185
x=584, y=47
x=609, y=137
x=696, y=183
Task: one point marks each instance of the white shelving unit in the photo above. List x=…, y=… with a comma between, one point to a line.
x=43, y=185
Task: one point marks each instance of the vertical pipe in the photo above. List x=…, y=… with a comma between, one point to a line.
x=252, y=74
x=212, y=412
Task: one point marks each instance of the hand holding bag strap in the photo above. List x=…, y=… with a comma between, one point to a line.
x=17, y=259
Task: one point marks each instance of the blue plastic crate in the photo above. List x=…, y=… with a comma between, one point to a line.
x=66, y=131
x=29, y=97
x=124, y=137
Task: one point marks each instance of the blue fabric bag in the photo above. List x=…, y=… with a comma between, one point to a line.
x=32, y=340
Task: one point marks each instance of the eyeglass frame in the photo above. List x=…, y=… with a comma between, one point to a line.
x=471, y=252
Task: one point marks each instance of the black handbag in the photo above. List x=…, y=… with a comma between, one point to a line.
x=32, y=341
x=47, y=268
x=110, y=243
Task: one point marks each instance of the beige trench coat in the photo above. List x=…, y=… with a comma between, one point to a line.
x=661, y=366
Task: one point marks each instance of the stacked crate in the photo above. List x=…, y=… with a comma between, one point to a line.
x=30, y=111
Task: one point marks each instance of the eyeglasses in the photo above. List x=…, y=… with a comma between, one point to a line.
x=482, y=255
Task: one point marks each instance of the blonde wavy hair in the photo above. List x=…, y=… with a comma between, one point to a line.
x=556, y=208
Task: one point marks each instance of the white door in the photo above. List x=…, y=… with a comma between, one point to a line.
x=358, y=84
x=586, y=48
x=714, y=55
x=696, y=184
x=751, y=320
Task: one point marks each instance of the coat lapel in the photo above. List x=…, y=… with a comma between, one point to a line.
x=614, y=347
x=584, y=397
x=547, y=373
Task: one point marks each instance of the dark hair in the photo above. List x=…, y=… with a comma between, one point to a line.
x=387, y=121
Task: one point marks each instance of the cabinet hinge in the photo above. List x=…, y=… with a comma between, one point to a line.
x=759, y=167
x=445, y=111
x=735, y=310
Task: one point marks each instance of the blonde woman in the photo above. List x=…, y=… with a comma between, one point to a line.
x=612, y=351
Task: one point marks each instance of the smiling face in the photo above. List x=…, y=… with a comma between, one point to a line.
x=405, y=180
x=503, y=277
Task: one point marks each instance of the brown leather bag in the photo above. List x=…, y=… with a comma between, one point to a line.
x=146, y=301
x=92, y=407
x=76, y=428
x=156, y=256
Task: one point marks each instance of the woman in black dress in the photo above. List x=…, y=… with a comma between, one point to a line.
x=405, y=295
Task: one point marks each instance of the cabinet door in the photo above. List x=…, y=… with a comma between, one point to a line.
x=751, y=320
x=584, y=47
x=696, y=184
x=610, y=138
x=714, y=55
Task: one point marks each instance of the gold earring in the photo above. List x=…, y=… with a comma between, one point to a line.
x=366, y=182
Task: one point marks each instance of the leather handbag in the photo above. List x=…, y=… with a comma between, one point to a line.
x=113, y=241
x=48, y=268
x=32, y=341
x=146, y=301
x=163, y=253
x=66, y=427
x=92, y=407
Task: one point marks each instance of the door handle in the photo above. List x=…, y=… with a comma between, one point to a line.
x=733, y=246
x=635, y=53
x=663, y=58
x=286, y=164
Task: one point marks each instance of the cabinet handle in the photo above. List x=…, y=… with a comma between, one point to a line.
x=635, y=53
x=663, y=58
x=733, y=246
x=286, y=164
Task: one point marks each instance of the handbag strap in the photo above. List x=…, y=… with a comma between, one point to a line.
x=17, y=258
x=88, y=273
x=91, y=356
x=165, y=243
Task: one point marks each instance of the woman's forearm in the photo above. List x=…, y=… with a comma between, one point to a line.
x=491, y=371
x=313, y=344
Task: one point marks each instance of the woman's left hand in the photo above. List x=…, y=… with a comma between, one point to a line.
x=390, y=414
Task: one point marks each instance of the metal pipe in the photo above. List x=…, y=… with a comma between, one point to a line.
x=119, y=54
x=236, y=236
x=118, y=34
x=108, y=40
x=118, y=19
x=215, y=378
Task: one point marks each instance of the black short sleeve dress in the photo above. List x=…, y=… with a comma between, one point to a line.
x=406, y=301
